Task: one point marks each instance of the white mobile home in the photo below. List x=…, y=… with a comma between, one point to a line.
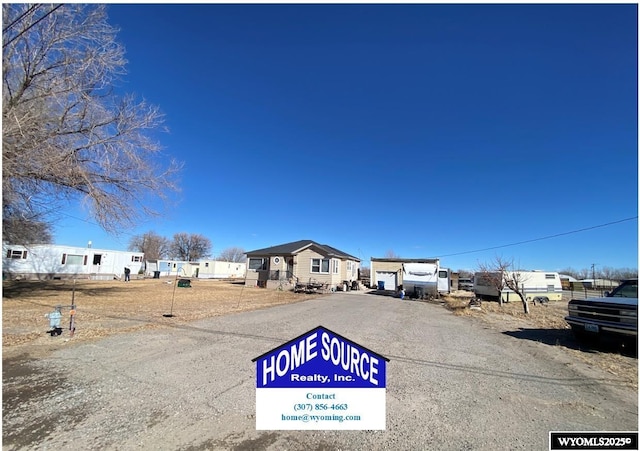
x=170, y=268
x=534, y=284
x=203, y=269
x=216, y=269
x=52, y=261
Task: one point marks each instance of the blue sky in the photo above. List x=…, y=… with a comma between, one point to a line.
x=429, y=130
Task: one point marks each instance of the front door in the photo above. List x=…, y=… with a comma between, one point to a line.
x=97, y=261
x=290, y=267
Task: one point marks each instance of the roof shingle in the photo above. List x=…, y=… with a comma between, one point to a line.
x=297, y=246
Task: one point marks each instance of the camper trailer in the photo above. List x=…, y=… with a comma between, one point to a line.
x=535, y=285
x=418, y=277
x=425, y=279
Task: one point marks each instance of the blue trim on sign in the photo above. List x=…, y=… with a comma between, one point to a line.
x=321, y=358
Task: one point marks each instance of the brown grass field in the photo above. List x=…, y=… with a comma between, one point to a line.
x=105, y=308
x=546, y=324
x=111, y=307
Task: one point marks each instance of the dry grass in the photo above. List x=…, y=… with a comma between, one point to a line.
x=546, y=324
x=110, y=307
x=543, y=316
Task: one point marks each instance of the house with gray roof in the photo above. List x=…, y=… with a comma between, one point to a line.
x=301, y=262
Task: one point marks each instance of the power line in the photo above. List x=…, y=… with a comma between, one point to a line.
x=542, y=238
x=20, y=17
x=456, y=253
x=31, y=26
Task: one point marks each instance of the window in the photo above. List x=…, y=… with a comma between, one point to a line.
x=628, y=289
x=136, y=258
x=15, y=254
x=336, y=266
x=320, y=265
x=549, y=276
x=206, y=264
x=71, y=259
x=349, y=264
x=442, y=274
x=97, y=259
x=258, y=264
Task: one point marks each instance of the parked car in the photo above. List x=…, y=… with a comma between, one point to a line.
x=615, y=315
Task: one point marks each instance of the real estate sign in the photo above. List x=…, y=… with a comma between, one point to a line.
x=320, y=380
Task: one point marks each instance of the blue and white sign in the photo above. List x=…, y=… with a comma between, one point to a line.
x=320, y=380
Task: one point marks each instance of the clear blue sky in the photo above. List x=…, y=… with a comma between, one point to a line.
x=429, y=130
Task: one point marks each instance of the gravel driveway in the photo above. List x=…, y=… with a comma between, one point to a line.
x=452, y=383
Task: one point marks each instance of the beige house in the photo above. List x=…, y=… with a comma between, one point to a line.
x=301, y=262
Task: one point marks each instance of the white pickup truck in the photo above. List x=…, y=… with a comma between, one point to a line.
x=614, y=315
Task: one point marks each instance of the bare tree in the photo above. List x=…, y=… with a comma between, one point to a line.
x=584, y=273
x=391, y=254
x=189, y=247
x=501, y=274
x=153, y=246
x=626, y=273
x=233, y=254
x=21, y=230
x=66, y=135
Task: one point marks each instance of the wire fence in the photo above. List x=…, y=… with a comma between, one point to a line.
x=584, y=293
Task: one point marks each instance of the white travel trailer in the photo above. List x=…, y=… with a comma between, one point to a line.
x=52, y=261
x=421, y=277
x=535, y=285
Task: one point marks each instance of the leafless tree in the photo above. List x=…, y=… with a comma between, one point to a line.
x=391, y=254
x=20, y=230
x=66, y=135
x=606, y=272
x=584, y=273
x=233, y=254
x=501, y=274
x=189, y=247
x=626, y=273
x=153, y=246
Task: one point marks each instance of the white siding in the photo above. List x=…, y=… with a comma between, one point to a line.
x=46, y=261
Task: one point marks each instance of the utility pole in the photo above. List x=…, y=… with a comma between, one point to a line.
x=593, y=273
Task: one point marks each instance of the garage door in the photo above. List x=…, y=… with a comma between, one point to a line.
x=389, y=279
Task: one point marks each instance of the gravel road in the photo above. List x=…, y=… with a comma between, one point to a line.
x=452, y=383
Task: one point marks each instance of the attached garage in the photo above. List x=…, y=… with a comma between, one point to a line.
x=389, y=279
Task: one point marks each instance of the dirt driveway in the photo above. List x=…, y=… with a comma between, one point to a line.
x=454, y=382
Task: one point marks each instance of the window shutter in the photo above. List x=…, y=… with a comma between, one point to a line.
x=64, y=258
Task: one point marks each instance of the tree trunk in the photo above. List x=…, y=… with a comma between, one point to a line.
x=525, y=303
